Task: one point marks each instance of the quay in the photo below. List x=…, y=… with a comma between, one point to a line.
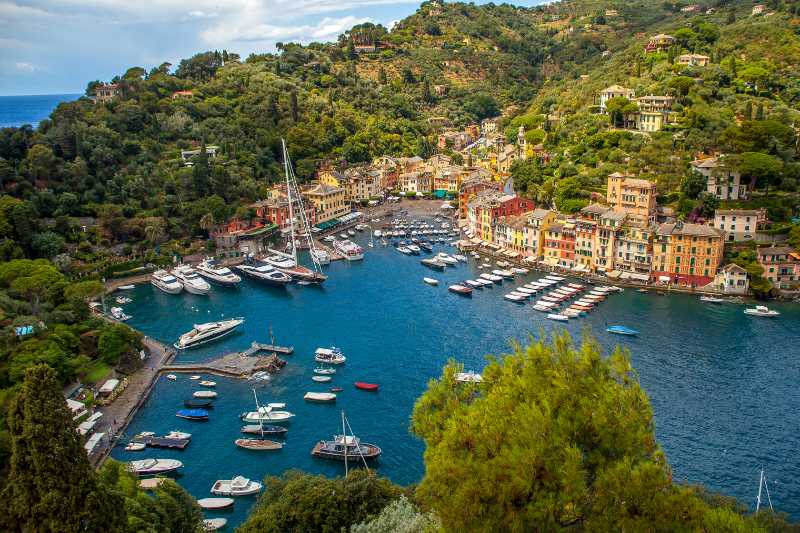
x=238, y=365
x=257, y=347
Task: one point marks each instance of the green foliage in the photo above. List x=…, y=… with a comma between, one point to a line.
x=400, y=516
x=302, y=502
x=51, y=485
x=693, y=184
x=585, y=455
x=117, y=340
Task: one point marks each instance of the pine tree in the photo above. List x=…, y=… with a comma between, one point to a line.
x=351, y=49
x=733, y=67
x=51, y=486
x=748, y=110
x=277, y=68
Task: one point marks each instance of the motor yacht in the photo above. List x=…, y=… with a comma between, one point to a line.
x=203, y=333
x=350, y=250
x=264, y=273
x=219, y=275
x=161, y=279
x=192, y=283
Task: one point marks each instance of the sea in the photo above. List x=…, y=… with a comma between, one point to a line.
x=723, y=385
x=16, y=111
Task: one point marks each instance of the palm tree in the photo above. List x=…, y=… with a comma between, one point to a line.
x=154, y=231
x=207, y=221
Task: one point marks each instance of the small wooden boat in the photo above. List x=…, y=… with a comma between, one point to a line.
x=431, y=281
x=135, y=447
x=208, y=383
x=321, y=379
x=322, y=397
x=205, y=394
x=193, y=414
x=559, y=318
x=214, y=524
x=258, y=444
x=622, y=330
x=126, y=287
x=199, y=403
x=366, y=386
x=215, y=503
x=265, y=429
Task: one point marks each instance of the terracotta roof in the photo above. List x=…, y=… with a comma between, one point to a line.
x=596, y=209
x=695, y=230
x=775, y=250
x=733, y=267
x=322, y=189
x=539, y=213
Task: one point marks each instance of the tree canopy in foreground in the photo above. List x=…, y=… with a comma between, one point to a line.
x=557, y=436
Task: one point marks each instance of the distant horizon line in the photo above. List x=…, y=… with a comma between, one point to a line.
x=42, y=94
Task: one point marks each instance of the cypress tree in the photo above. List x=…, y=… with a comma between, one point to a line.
x=748, y=110
x=759, y=112
x=51, y=485
x=293, y=105
x=351, y=49
x=382, y=76
x=200, y=173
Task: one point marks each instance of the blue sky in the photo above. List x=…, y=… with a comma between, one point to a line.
x=57, y=46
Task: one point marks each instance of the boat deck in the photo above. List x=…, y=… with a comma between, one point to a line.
x=161, y=442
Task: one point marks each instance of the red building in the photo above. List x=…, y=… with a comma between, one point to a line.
x=276, y=211
x=470, y=189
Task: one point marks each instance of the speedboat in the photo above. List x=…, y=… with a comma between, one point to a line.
x=558, y=317
x=324, y=371
x=208, y=383
x=460, y=289
x=214, y=524
x=343, y=236
x=330, y=355
x=123, y=300
x=345, y=446
x=192, y=283
x=472, y=283
x=118, y=314
x=622, y=330
x=426, y=246
x=491, y=277
x=203, y=333
x=504, y=273
x=267, y=274
x=350, y=250
x=150, y=467
x=175, y=434
x=414, y=249
x=434, y=262
x=404, y=250
x=351, y=233
x=761, y=310
x=378, y=233
x=711, y=299
x=265, y=414
x=172, y=377
x=517, y=270
x=135, y=446
x=126, y=287
x=195, y=403
x=484, y=282
x=459, y=257
x=238, y=486
x=515, y=297
x=161, y=279
x=447, y=259
x=431, y=281
x=321, y=397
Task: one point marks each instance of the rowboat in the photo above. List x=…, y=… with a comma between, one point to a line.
x=460, y=289
x=431, y=281
x=204, y=394
x=622, y=330
x=366, y=386
x=322, y=397
x=321, y=379
x=198, y=403
x=135, y=447
x=258, y=444
x=215, y=503
x=559, y=318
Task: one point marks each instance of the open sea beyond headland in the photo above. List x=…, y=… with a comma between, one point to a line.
x=16, y=111
x=724, y=386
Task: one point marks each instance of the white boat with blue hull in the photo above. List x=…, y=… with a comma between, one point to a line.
x=263, y=273
x=210, y=331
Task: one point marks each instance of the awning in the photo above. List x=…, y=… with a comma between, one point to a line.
x=614, y=274
x=624, y=275
x=664, y=279
x=327, y=224
x=511, y=253
x=109, y=386
x=580, y=267
x=552, y=261
x=640, y=277
x=529, y=259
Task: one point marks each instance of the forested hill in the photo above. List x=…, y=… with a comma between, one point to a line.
x=374, y=92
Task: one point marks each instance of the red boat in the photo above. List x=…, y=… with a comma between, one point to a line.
x=366, y=386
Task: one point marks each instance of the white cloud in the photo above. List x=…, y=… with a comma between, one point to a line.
x=22, y=66
x=198, y=14
x=233, y=29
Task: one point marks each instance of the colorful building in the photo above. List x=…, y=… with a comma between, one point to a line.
x=635, y=197
x=533, y=232
x=686, y=254
x=329, y=202
x=781, y=266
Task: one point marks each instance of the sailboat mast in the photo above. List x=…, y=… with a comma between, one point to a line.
x=344, y=436
x=291, y=201
x=760, y=484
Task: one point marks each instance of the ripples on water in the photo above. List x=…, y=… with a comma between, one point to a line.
x=723, y=385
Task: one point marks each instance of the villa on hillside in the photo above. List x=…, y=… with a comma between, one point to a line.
x=188, y=155
x=659, y=43
x=105, y=92
x=721, y=180
x=694, y=60
x=612, y=92
x=781, y=266
x=739, y=224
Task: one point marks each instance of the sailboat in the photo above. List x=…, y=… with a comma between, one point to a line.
x=346, y=448
x=287, y=261
x=762, y=483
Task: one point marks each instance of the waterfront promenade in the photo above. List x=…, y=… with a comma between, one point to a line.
x=118, y=414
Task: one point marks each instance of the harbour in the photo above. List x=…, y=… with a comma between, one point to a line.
x=714, y=375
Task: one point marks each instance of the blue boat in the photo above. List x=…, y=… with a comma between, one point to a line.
x=192, y=414
x=622, y=330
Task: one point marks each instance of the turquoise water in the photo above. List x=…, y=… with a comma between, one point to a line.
x=19, y=110
x=723, y=385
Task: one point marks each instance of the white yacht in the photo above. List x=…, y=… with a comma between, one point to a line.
x=265, y=274
x=350, y=250
x=161, y=279
x=151, y=467
x=218, y=275
x=330, y=355
x=118, y=314
x=203, y=333
x=238, y=486
x=266, y=414
x=193, y=283
x=761, y=310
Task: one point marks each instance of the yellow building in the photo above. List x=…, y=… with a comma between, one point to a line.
x=634, y=197
x=687, y=254
x=533, y=232
x=329, y=202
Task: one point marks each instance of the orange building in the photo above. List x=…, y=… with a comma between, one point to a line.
x=687, y=254
x=635, y=197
